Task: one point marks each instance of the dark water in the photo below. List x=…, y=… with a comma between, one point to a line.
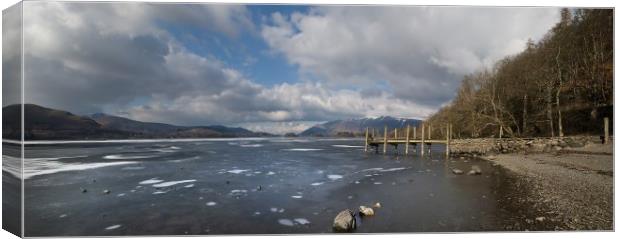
x=250, y=186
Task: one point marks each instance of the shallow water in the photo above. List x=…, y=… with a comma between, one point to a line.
x=246, y=186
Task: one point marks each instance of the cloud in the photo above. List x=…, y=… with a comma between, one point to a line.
x=282, y=103
x=124, y=59
x=421, y=53
x=86, y=57
x=11, y=58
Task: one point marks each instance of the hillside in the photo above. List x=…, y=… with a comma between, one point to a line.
x=356, y=127
x=561, y=85
x=43, y=123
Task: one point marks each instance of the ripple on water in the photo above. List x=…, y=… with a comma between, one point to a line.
x=301, y=149
x=346, y=146
x=120, y=156
x=251, y=145
x=237, y=171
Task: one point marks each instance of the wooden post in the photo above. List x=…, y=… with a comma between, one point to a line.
x=385, y=140
x=501, y=131
x=395, y=133
x=430, y=130
x=606, y=123
x=366, y=144
x=407, y=141
x=447, y=141
x=422, y=144
x=415, y=129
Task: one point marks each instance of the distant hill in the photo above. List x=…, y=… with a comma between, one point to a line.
x=41, y=123
x=357, y=127
x=45, y=123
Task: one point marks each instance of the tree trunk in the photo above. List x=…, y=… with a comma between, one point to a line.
x=557, y=102
x=557, y=94
x=524, y=130
x=550, y=110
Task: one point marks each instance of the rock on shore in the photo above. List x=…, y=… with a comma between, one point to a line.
x=344, y=221
x=366, y=211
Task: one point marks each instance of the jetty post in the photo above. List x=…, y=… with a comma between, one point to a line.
x=407, y=141
x=395, y=133
x=385, y=140
x=501, y=131
x=606, y=125
x=366, y=144
x=422, y=144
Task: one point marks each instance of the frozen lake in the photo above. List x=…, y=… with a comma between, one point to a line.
x=242, y=186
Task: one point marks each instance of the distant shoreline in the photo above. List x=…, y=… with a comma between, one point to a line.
x=55, y=142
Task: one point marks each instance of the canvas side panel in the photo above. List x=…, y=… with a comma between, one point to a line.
x=12, y=119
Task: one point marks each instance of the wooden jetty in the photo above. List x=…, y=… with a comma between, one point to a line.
x=408, y=137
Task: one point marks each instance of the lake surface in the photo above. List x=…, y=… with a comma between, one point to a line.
x=249, y=186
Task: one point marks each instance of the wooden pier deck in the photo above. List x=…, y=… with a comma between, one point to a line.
x=408, y=137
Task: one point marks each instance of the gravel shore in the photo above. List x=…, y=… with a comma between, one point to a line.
x=569, y=190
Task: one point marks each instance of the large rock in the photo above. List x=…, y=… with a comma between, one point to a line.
x=344, y=221
x=366, y=211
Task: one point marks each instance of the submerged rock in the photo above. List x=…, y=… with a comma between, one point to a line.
x=84, y=190
x=475, y=170
x=457, y=171
x=377, y=205
x=344, y=221
x=366, y=211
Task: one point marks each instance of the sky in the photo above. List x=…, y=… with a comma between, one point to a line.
x=277, y=69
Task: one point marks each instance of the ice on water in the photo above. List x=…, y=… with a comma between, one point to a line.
x=151, y=181
x=171, y=183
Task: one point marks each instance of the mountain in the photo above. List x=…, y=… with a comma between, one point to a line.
x=162, y=130
x=356, y=127
x=45, y=123
x=41, y=123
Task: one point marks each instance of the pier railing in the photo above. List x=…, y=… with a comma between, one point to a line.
x=408, y=137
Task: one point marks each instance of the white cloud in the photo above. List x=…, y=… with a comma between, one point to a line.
x=420, y=52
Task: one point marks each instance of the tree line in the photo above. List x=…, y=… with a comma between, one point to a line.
x=561, y=85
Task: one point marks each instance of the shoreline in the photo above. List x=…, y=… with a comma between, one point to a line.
x=564, y=190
